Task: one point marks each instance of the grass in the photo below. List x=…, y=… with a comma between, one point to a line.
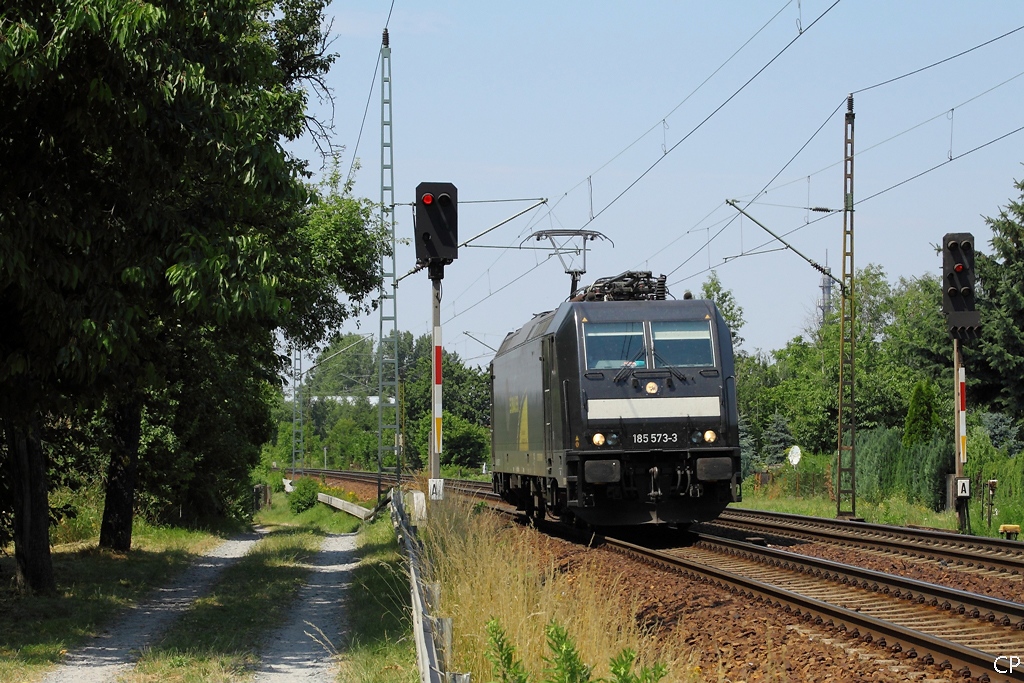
x=93, y=585
x=322, y=518
x=488, y=570
x=218, y=637
x=894, y=510
x=381, y=649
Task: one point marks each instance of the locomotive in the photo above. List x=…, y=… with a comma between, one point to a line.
x=618, y=408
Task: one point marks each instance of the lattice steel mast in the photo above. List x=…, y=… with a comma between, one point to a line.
x=387, y=348
x=846, y=494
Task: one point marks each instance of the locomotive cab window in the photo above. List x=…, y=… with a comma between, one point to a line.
x=684, y=344
x=613, y=345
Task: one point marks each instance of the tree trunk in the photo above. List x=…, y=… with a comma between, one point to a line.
x=118, y=506
x=31, y=508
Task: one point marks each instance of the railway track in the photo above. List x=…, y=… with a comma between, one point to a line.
x=992, y=554
x=918, y=621
x=932, y=624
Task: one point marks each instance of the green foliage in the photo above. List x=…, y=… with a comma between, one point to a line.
x=502, y=655
x=467, y=390
x=747, y=453
x=922, y=419
x=776, y=440
x=622, y=669
x=727, y=306
x=985, y=462
x=565, y=665
x=463, y=443
x=1001, y=301
x=1002, y=431
x=303, y=495
x=178, y=233
x=885, y=468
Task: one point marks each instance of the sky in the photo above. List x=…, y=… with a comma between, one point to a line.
x=649, y=116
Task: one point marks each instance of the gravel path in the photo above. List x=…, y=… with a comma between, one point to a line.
x=303, y=649
x=114, y=651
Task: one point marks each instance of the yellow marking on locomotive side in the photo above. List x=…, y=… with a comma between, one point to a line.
x=524, y=426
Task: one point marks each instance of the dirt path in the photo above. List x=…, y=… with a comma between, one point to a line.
x=303, y=649
x=113, y=652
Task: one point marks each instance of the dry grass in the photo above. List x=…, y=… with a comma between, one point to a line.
x=488, y=570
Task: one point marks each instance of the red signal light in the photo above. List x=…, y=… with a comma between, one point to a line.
x=959, y=267
x=428, y=198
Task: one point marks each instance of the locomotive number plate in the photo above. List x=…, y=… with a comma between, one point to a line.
x=656, y=437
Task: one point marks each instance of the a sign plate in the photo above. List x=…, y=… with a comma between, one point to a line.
x=436, y=489
x=963, y=487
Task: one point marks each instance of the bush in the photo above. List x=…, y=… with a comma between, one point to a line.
x=303, y=495
x=885, y=468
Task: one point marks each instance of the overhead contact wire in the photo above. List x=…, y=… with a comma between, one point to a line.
x=754, y=251
x=766, y=185
x=941, y=61
x=662, y=120
x=709, y=116
x=366, y=109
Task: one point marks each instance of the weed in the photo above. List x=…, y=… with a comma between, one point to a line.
x=565, y=665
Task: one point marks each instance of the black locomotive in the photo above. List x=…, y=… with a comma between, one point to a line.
x=618, y=408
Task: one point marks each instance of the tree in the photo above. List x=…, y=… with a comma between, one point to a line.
x=777, y=440
x=922, y=419
x=464, y=444
x=1001, y=300
x=141, y=164
x=727, y=305
x=346, y=367
x=467, y=391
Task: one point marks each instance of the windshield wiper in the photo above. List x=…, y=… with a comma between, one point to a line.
x=671, y=368
x=630, y=365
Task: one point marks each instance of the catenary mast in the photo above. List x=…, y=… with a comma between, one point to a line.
x=388, y=440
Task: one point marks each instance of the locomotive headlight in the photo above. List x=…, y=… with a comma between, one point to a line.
x=613, y=439
x=598, y=439
x=651, y=388
x=710, y=436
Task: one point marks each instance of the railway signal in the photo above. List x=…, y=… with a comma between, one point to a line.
x=963, y=320
x=437, y=244
x=437, y=224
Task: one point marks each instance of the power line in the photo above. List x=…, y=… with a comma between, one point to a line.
x=766, y=185
x=940, y=165
x=709, y=116
x=369, y=96
x=944, y=112
x=941, y=61
x=754, y=251
x=662, y=120
x=504, y=286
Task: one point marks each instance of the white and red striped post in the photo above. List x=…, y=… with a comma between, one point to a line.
x=435, y=424
x=962, y=416
x=435, y=431
x=960, y=457
x=960, y=403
